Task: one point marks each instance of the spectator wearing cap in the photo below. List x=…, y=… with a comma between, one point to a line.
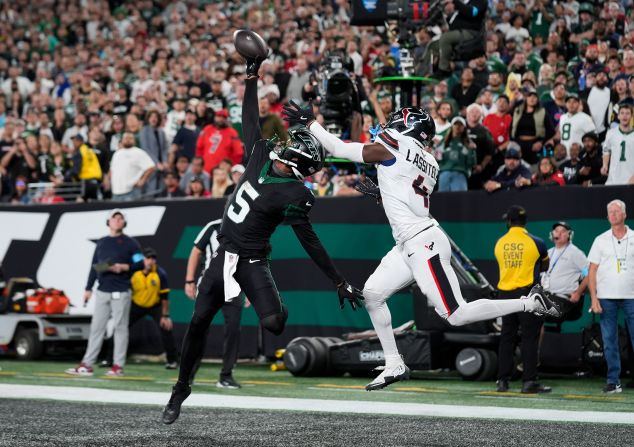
x=457, y=157
x=116, y=257
x=85, y=168
x=583, y=29
x=508, y=176
x=531, y=127
x=484, y=148
x=520, y=257
x=270, y=123
x=21, y=192
x=197, y=189
x=573, y=124
x=567, y=274
x=590, y=161
x=618, y=150
x=171, y=188
x=611, y=285
x=153, y=141
x=598, y=99
x=150, y=297
x=130, y=168
x=219, y=141
x=236, y=173
x=184, y=143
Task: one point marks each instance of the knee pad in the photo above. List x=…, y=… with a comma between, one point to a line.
x=373, y=297
x=275, y=323
x=457, y=318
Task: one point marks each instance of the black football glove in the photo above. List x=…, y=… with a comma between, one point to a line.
x=253, y=66
x=369, y=188
x=350, y=293
x=297, y=115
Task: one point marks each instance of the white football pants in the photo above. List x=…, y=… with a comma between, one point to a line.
x=426, y=259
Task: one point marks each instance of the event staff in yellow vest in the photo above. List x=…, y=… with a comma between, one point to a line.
x=521, y=257
x=150, y=291
x=86, y=168
x=206, y=242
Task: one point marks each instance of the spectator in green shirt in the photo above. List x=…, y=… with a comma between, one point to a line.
x=457, y=157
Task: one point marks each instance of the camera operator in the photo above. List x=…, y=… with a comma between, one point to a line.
x=465, y=22
x=339, y=94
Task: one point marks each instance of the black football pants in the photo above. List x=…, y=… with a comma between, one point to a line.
x=256, y=282
x=531, y=326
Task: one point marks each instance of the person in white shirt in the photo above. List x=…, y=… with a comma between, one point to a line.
x=574, y=124
x=618, y=150
x=611, y=283
x=130, y=169
x=567, y=274
x=599, y=100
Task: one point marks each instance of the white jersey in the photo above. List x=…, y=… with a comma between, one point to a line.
x=620, y=146
x=573, y=127
x=406, y=182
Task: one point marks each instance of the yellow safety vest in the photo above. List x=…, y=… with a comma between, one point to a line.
x=90, y=167
x=147, y=288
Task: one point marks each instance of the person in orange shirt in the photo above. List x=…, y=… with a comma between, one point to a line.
x=218, y=141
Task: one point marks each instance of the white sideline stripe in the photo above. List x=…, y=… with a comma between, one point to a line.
x=77, y=394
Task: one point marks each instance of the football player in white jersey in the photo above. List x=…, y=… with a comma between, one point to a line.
x=574, y=124
x=407, y=174
x=618, y=150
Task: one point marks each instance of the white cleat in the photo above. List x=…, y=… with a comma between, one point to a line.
x=544, y=305
x=388, y=376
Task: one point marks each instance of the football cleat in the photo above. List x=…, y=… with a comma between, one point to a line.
x=388, y=376
x=228, y=383
x=173, y=408
x=544, y=305
x=81, y=370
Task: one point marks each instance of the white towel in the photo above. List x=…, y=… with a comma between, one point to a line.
x=232, y=288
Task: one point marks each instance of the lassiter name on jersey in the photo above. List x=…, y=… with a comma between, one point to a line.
x=421, y=163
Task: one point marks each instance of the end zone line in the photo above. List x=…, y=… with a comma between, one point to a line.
x=77, y=394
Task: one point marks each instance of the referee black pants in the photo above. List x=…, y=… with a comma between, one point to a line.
x=256, y=282
x=530, y=326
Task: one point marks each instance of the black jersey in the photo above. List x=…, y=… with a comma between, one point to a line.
x=261, y=200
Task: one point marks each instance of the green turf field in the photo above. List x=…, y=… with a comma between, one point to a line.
x=258, y=380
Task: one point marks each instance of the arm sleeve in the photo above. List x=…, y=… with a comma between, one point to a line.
x=549, y=127
x=92, y=276
x=311, y=243
x=351, y=151
x=296, y=212
x=73, y=173
x=250, y=115
x=200, y=145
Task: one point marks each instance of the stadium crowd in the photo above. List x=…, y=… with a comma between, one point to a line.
x=138, y=99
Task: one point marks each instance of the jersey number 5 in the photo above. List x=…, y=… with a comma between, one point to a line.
x=421, y=189
x=240, y=207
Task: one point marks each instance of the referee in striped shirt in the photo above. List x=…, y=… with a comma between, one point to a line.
x=206, y=243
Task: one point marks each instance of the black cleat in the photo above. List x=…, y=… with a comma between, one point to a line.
x=173, y=408
x=545, y=305
x=502, y=386
x=533, y=387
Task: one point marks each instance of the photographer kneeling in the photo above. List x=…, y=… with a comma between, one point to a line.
x=465, y=21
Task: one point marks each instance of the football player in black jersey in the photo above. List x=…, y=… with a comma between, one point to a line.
x=269, y=193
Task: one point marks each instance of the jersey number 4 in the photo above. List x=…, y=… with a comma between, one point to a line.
x=240, y=207
x=421, y=189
